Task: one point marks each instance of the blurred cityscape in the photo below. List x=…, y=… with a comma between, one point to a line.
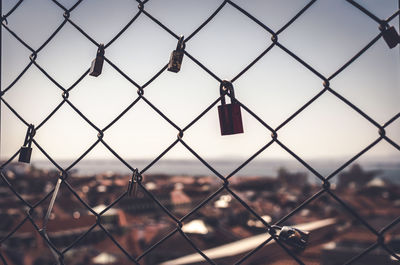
x=222, y=228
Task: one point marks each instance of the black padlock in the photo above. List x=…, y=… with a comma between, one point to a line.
x=26, y=150
x=25, y=154
x=175, y=61
x=230, y=117
x=97, y=63
x=390, y=36
x=293, y=237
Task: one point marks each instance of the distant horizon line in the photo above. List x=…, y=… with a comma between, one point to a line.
x=319, y=159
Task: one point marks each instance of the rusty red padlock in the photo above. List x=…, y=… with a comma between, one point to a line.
x=230, y=117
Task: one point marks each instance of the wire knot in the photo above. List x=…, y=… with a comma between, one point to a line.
x=382, y=132
x=100, y=135
x=33, y=56
x=98, y=219
x=29, y=211
x=226, y=183
x=274, y=135
x=3, y=18
x=141, y=6
x=67, y=14
x=65, y=94
x=179, y=224
x=274, y=38
x=63, y=175
x=381, y=239
x=326, y=185
x=383, y=25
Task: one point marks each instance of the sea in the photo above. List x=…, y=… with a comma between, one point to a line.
x=387, y=168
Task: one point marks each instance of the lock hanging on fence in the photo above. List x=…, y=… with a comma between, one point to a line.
x=97, y=63
x=175, y=61
x=390, y=35
x=230, y=117
x=26, y=150
x=133, y=183
x=292, y=236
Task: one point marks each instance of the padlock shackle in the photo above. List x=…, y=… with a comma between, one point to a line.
x=30, y=132
x=181, y=44
x=226, y=88
x=384, y=25
x=100, y=50
x=26, y=137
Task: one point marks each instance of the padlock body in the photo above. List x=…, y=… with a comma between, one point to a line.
x=25, y=154
x=391, y=37
x=294, y=237
x=175, y=61
x=230, y=119
x=97, y=66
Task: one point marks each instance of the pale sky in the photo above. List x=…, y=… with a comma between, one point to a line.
x=326, y=36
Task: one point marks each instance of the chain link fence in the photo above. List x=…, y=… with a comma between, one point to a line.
x=384, y=29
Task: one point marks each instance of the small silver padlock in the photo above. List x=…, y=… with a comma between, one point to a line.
x=97, y=63
x=175, y=61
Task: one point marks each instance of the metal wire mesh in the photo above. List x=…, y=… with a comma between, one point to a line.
x=63, y=178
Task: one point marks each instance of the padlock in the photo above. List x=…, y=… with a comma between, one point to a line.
x=230, y=117
x=26, y=150
x=134, y=183
x=25, y=154
x=97, y=63
x=390, y=36
x=293, y=237
x=175, y=61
